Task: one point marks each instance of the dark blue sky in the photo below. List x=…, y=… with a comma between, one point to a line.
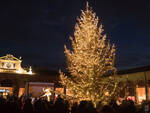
x=37, y=30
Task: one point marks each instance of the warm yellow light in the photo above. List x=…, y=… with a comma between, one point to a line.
x=47, y=92
x=30, y=71
x=107, y=93
x=90, y=59
x=11, y=64
x=19, y=71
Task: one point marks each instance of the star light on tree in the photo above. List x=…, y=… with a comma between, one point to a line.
x=91, y=62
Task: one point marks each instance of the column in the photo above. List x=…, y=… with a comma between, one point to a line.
x=135, y=92
x=146, y=86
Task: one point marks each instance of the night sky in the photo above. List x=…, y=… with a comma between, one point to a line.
x=37, y=30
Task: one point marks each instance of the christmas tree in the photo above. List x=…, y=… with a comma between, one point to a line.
x=91, y=62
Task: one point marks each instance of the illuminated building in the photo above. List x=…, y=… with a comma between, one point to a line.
x=135, y=84
x=11, y=64
x=17, y=80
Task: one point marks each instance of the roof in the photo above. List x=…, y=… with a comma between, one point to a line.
x=134, y=70
x=47, y=71
x=9, y=57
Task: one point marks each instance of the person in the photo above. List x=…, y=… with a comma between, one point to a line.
x=61, y=106
x=145, y=107
x=127, y=106
x=28, y=108
x=107, y=109
x=85, y=107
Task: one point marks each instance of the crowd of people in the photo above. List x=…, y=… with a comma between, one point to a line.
x=27, y=105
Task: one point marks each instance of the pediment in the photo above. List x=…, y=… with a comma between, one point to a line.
x=9, y=57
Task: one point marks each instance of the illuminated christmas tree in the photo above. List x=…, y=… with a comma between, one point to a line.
x=91, y=62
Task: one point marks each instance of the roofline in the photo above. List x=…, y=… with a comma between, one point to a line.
x=134, y=70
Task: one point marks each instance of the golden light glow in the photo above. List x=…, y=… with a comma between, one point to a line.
x=47, y=92
x=141, y=94
x=30, y=71
x=19, y=72
x=107, y=93
x=91, y=60
x=11, y=64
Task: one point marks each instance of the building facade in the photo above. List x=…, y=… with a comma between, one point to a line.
x=135, y=84
x=15, y=80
